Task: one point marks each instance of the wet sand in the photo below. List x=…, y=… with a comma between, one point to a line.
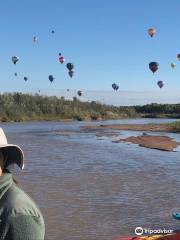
x=155, y=142
x=135, y=127
x=164, y=143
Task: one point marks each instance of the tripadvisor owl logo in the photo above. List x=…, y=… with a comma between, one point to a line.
x=139, y=231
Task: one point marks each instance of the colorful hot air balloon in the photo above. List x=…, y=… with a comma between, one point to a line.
x=151, y=32
x=35, y=39
x=25, y=79
x=80, y=93
x=51, y=78
x=173, y=65
x=15, y=59
x=71, y=73
x=69, y=66
x=115, y=86
x=178, y=56
x=160, y=83
x=62, y=59
x=153, y=66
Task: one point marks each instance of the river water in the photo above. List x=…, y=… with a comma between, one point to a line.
x=89, y=188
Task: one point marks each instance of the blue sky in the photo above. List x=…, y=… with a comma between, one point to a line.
x=106, y=40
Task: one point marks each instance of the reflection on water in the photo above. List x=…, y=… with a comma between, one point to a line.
x=89, y=189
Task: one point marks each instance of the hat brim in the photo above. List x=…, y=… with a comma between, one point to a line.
x=14, y=154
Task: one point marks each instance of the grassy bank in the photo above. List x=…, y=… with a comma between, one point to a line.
x=175, y=126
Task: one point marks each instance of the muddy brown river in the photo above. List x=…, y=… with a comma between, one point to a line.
x=89, y=188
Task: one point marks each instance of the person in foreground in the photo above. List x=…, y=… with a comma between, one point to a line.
x=20, y=218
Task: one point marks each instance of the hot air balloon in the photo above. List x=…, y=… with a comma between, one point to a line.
x=115, y=86
x=151, y=32
x=59, y=54
x=62, y=59
x=15, y=59
x=173, y=65
x=68, y=90
x=80, y=93
x=51, y=78
x=69, y=66
x=25, y=79
x=153, y=66
x=52, y=31
x=35, y=39
x=15, y=74
x=71, y=73
x=160, y=83
x=178, y=56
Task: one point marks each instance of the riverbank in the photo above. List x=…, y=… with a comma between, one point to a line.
x=19, y=107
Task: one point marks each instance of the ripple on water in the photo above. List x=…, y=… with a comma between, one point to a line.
x=89, y=189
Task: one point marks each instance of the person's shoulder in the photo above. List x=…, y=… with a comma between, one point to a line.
x=19, y=203
x=22, y=212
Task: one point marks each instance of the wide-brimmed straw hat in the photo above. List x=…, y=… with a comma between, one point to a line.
x=14, y=153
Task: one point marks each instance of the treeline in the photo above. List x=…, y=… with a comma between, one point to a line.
x=159, y=110
x=25, y=107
